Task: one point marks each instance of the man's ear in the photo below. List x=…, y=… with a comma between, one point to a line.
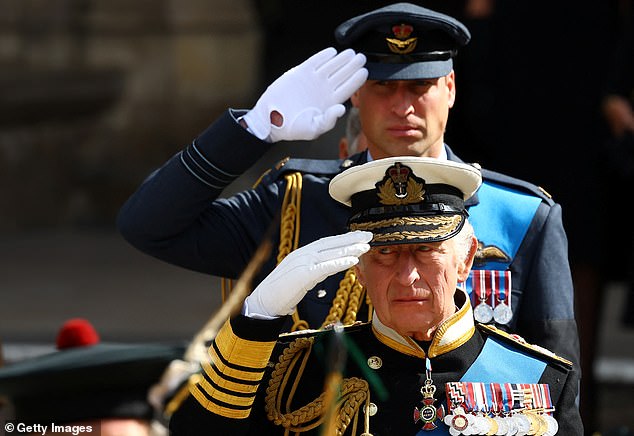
x=451, y=87
x=354, y=98
x=359, y=273
x=343, y=148
x=465, y=266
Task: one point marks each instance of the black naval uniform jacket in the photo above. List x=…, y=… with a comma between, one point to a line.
x=223, y=400
x=177, y=215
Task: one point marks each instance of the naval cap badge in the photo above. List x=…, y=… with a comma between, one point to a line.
x=400, y=186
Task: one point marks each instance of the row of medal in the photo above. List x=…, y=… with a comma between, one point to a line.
x=499, y=409
x=490, y=292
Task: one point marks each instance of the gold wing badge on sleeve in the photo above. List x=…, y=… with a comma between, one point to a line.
x=489, y=253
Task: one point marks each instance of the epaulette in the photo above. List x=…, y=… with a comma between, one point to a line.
x=518, y=184
x=356, y=326
x=320, y=167
x=519, y=342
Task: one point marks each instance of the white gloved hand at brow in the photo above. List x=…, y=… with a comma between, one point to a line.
x=309, y=97
x=280, y=292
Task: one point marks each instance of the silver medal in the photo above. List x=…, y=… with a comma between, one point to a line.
x=483, y=313
x=511, y=425
x=502, y=314
x=553, y=425
x=503, y=427
x=523, y=424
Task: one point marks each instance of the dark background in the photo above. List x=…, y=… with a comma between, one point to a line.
x=95, y=94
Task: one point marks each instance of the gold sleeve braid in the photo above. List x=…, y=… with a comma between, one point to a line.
x=230, y=379
x=354, y=393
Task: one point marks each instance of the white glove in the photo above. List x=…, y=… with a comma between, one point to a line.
x=301, y=270
x=309, y=96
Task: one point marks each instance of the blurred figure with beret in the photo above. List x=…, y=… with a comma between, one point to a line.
x=88, y=383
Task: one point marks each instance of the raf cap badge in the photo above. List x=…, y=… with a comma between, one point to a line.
x=402, y=44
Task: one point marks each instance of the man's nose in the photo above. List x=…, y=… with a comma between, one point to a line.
x=402, y=101
x=407, y=271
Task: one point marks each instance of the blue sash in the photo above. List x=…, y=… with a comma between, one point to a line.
x=501, y=219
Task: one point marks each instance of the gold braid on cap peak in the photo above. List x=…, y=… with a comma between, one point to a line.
x=445, y=226
x=442, y=221
x=405, y=236
x=354, y=393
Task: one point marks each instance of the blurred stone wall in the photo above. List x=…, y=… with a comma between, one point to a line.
x=94, y=94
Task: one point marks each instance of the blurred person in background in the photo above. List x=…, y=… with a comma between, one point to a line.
x=354, y=141
x=88, y=383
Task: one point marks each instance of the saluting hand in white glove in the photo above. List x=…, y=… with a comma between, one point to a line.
x=278, y=294
x=308, y=97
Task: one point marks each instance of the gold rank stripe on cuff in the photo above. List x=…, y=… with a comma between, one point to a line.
x=230, y=379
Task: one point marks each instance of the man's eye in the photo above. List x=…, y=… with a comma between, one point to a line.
x=422, y=84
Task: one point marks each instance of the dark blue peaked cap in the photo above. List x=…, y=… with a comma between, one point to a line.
x=404, y=41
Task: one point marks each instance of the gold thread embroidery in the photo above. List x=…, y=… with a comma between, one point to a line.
x=442, y=220
x=251, y=354
x=402, y=47
x=445, y=225
x=353, y=393
x=415, y=193
x=194, y=390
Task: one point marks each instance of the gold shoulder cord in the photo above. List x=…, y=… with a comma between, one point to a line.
x=345, y=305
x=289, y=229
x=348, y=298
x=350, y=294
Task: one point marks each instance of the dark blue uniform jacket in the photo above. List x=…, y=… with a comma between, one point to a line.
x=393, y=368
x=176, y=215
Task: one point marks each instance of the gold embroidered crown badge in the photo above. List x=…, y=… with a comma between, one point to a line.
x=402, y=44
x=400, y=186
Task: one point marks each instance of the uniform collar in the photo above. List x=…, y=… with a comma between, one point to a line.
x=452, y=157
x=451, y=334
x=443, y=155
